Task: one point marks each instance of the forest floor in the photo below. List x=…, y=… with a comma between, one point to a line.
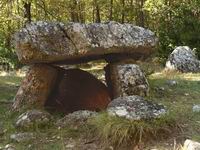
x=180, y=97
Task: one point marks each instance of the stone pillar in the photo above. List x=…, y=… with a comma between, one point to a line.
x=125, y=80
x=35, y=87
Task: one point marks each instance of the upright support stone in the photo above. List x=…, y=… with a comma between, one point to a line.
x=126, y=80
x=36, y=86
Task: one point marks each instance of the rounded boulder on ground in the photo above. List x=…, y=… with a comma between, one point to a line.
x=135, y=108
x=31, y=118
x=183, y=59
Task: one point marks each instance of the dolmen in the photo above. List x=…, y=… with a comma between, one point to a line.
x=46, y=46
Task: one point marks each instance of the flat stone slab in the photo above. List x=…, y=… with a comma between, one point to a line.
x=45, y=42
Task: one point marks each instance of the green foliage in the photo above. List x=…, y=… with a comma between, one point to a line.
x=8, y=57
x=176, y=23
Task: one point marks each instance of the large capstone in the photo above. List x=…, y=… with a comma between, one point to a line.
x=126, y=80
x=183, y=59
x=36, y=87
x=135, y=108
x=75, y=42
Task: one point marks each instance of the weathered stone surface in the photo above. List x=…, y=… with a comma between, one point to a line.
x=31, y=118
x=22, y=137
x=125, y=80
x=135, y=108
x=191, y=145
x=77, y=90
x=36, y=87
x=9, y=147
x=196, y=108
x=172, y=83
x=183, y=59
x=77, y=117
x=58, y=42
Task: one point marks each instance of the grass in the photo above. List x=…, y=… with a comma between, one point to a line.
x=119, y=131
x=180, y=122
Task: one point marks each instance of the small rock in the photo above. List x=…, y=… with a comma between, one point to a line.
x=22, y=137
x=160, y=90
x=191, y=145
x=172, y=82
x=186, y=94
x=9, y=147
x=32, y=117
x=135, y=108
x=70, y=146
x=76, y=117
x=196, y=108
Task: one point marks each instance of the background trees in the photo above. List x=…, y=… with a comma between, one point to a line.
x=176, y=22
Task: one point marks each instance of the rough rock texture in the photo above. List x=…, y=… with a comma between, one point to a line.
x=75, y=90
x=171, y=83
x=22, y=137
x=125, y=80
x=183, y=59
x=58, y=42
x=31, y=118
x=191, y=145
x=9, y=147
x=36, y=87
x=196, y=108
x=77, y=117
x=135, y=108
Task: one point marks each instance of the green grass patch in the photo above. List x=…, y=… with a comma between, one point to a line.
x=119, y=131
x=9, y=86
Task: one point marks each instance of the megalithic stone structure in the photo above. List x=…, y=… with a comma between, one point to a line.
x=46, y=45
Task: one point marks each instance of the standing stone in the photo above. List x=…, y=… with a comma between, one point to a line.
x=36, y=87
x=183, y=59
x=126, y=80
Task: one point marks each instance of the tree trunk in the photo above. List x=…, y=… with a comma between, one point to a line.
x=141, y=17
x=74, y=13
x=98, y=17
x=111, y=10
x=27, y=11
x=123, y=11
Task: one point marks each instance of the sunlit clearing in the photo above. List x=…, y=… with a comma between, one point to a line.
x=176, y=75
x=3, y=73
x=13, y=73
